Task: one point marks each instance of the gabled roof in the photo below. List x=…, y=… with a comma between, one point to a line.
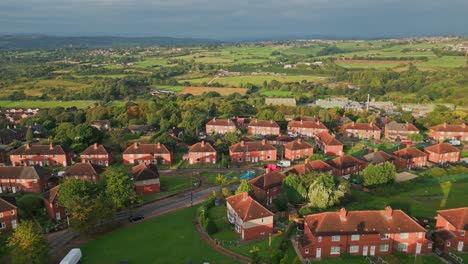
x=24, y=172
x=450, y=128
x=308, y=166
x=138, y=148
x=442, y=148
x=361, y=126
x=202, y=147
x=220, y=122
x=401, y=126
x=247, y=208
x=298, y=144
x=362, y=222
x=378, y=157
x=409, y=153
x=263, y=123
x=95, y=149
x=307, y=124
x=6, y=206
x=251, y=146
x=51, y=194
x=144, y=171
x=345, y=161
x=458, y=217
x=328, y=139
x=28, y=149
x=84, y=169
x=268, y=180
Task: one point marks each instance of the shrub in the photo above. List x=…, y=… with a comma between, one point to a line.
x=226, y=192
x=211, y=227
x=436, y=172
x=457, y=170
x=281, y=202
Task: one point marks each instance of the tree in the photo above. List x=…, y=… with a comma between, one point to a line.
x=416, y=137
x=291, y=187
x=28, y=244
x=30, y=203
x=254, y=255
x=324, y=192
x=245, y=186
x=29, y=135
x=118, y=188
x=221, y=181
x=285, y=259
x=379, y=174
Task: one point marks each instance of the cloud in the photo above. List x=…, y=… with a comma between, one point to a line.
x=227, y=19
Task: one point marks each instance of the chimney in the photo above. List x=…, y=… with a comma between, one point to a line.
x=214, y=119
x=28, y=146
x=371, y=124
x=445, y=125
x=352, y=123
x=135, y=145
x=376, y=150
x=263, y=141
x=158, y=145
x=203, y=143
x=51, y=146
x=242, y=143
x=388, y=211
x=95, y=145
x=463, y=125
x=267, y=170
x=299, y=140
x=302, y=122
x=343, y=214
x=271, y=121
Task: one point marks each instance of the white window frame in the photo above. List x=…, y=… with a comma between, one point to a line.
x=402, y=247
x=355, y=237
x=335, y=250
x=354, y=249
x=404, y=235
x=386, y=247
x=335, y=238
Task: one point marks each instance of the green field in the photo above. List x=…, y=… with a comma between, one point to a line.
x=167, y=239
x=169, y=88
x=237, y=81
x=45, y=104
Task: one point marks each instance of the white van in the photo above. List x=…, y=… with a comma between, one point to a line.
x=73, y=257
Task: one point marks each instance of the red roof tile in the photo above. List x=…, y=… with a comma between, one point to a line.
x=442, y=148
x=138, y=148
x=307, y=124
x=409, y=153
x=247, y=208
x=328, y=139
x=361, y=126
x=263, y=123
x=394, y=126
x=6, y=206
x=251, y=146
x=450, y=128
x=345, y=161
x=145, y=171
x=268, y=180
x=84, y=169
x=95, y=149
x=308, y=166
x=220, y=122
x=458, y=217
x=202, y=147
x=298, y=144
x=377, y=157
x=28, y=149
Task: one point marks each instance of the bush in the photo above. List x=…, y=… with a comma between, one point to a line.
x=457, y=170
x=30, y=203
x=211, y=227
x=226, y=192
x=436, y=172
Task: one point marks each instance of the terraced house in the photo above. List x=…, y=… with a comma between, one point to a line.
x=363, y=233
x=97, y=154
x=306, y=128
x=410, y=157
x=24, y=178
x=443, y=153
x=8, y=216
x=220, y=126
x=267, y=186
x=252, y=152
x=146, y=153
x=84, y=171
x=361, y=131
x=298, y=149
x=202, y=153
x=42, y=155
x=446, y=131
x=450, y=230
x=329, y=144
x=399, y=131
x=250, y=219
x=263, y=127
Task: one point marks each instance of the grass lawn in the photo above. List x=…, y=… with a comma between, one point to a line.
x=210, y=177
x=158, y=195
x=169, y=88
x=174, y=183
x=45, y=104
x=276, y=93
x=389, y=259
x=167, y=239
x=357, y=150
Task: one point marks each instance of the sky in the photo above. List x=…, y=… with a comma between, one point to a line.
x=236, y=19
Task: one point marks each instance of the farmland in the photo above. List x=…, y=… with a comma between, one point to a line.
x=220, y=90
x=45, y=104
x=255, y=79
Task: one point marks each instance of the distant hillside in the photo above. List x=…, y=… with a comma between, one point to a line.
x=51, y=42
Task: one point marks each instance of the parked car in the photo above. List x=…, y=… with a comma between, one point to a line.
x=284, y=163
x=135, y=218
x=73, y=257
x=454, y=142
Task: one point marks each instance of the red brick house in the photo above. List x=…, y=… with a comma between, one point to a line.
x=309, y=166
x=97, y=154
x=306, y=128
x=361, y=130
x=346, y=165
x=24, y=178
x=447, y=131
x=8, y=216
x=410, y=157
x=42, y=155
x=146, y=153
x=268, y=186
x=263, y=127
x=252, y=152
x=443, y=153
x=297, y=149
x=450, y=230
x=54, y=210
x=329, y=144
x=146, y=178
x=202, y=153
x=220, y=126
x=379, y=157
x=399, y=131
x=362, y=233
x=278, y=140
x=84, y=171
x=250, y=219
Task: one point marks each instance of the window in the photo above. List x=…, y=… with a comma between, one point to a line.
x=1, y=215
x=383, y=248
x=238, y=228
x=335, y=238
x=335, y=250
x=448, y=244
x=2, y=225
x=384, y=236
x=429, y=245
x=12, y=212
x=319, y=239
x=355, y=238
x=353, y=249
x=404, y=235
x=306, y=251
x=462, y=233
x=402, y=247
x=420, y=235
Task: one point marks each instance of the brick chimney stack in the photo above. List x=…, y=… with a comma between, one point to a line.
x=263, y=141
x=158, y=145
x=445, y=125
x=95, y=146
x=343, y=214
x=51, y=146
x=135, y=145
x=203, y=143
x=28, y=146
x=388, y=211
x=242, y=143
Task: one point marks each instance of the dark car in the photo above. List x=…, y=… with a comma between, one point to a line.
x=135, y=218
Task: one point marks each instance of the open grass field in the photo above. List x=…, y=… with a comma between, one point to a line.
x=258, y=80
x=45, y=104
x=276, y=93
x=151, y=62
x=389, y=259
x=195, y=90
x=169, y=88
x=35, y=88
x=370, y=63
x=170, y=238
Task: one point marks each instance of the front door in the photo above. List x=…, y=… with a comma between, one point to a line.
x=364, y=250
x=58, y=216
x=13, y=189
x=13, y=224
x=372, y=250
x=460, y=246
x=418, y=248
x=318, y=253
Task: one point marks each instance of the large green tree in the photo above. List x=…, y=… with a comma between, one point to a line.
x=119, y=188
x=379, y=174
x=28, y=244
x=245, y=186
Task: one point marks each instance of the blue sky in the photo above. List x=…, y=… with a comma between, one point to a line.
x=236, y=19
